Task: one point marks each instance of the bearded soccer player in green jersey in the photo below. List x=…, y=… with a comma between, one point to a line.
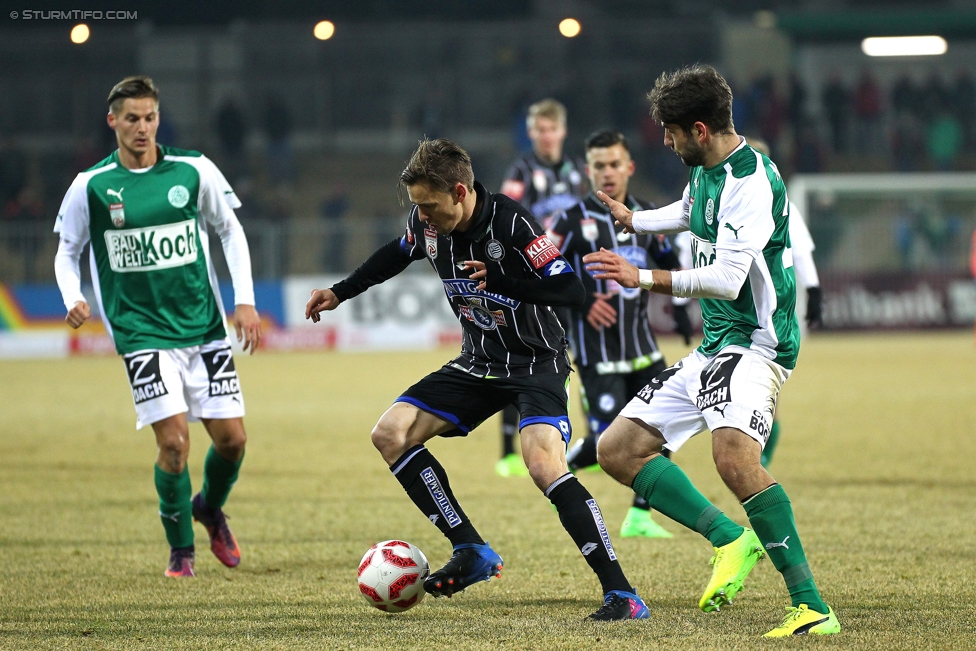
x=735, y=206
x=145, y=210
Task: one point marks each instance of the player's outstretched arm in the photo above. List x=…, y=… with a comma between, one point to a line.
x=607, y=265
x=320, y=301
x=620, y=212
x=78, y=314
x=247, y=323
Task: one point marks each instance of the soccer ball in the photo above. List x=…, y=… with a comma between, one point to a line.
x=391, y=576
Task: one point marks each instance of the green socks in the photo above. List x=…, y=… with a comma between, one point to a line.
x=771, y=515
x=767, y=453
x=219, y=476
x=668, y=490
x=175, y=510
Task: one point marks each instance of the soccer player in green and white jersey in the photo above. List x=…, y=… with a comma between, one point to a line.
x=145, y=210
x=735, y=206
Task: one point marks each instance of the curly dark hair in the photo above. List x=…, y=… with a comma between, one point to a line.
x=440, y=163
x=692, y=94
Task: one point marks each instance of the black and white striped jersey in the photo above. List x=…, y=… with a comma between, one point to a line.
x=545, y=189
x=509, y=330
x=585, y=228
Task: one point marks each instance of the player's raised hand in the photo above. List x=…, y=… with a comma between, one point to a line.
x=607, y=265
x=620, y=212
x=480, y=272
x=321, y=300
x=247, y=323
x=601, y=313
x=78, y=314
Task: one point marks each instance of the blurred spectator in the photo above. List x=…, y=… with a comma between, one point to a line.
x=166, y=134
x=905, y=96
x=13, y=171
x=964, y=105
x=23, y=212
x=837, y=107
x=867, y=109
x=334, y=209
x=232, y=134
x=809, y=153
x=935, y=97
x=797, y=102
x=907, y=145
x=278, y=126
x=769, y=112
x=944, y=141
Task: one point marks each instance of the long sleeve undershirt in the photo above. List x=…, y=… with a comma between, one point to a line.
x=667, y=220
x=389, y=260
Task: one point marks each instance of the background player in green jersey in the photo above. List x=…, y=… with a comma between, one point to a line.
x=736, y=208
x=145, y=210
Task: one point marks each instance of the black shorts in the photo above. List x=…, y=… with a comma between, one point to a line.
x=605, y=395
x=467, y=400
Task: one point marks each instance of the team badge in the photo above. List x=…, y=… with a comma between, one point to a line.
x=590, y=229
x=481, y=316
x=430, y=237
x=539, y=180
x=178, y=196
x=117, y=212
x=709, y=211
x=494, y=250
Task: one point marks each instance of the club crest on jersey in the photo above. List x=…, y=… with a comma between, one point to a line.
x=178, y=196
x=494, y=250
x=590, y=230
x=117, y=212
x=481, y=316
x=541, y=251
x=430, y=237
x=539, y=180
x=709, y=211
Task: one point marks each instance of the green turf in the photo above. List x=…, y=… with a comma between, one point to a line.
x=878, y=455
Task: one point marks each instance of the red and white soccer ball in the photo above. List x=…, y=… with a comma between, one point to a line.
x=391, y=576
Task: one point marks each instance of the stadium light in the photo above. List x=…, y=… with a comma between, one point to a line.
x=569, y=27
x=324, y=30
x=903, y=46
x=80, y=33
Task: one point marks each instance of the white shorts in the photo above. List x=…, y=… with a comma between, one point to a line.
x=200, y=381
x=735, y=388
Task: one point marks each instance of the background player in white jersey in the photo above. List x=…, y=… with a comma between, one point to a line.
x=145, y=210
x=546, y=182
x=805, y=269
x=736, y=208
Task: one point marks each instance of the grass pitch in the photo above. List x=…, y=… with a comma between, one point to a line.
x=877, y=455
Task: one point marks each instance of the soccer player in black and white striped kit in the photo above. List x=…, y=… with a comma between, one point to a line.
x=546, y=182
x=613, y=345
x=501, y=275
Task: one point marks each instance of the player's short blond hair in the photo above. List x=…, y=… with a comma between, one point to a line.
x=549, y=108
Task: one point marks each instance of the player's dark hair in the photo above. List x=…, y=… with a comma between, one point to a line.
x=439, y=163
x=696, y=93
x=606, y=138
x=131, y=88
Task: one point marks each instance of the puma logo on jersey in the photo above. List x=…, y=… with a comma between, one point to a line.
x=778, y=544
x=113, y=193
x=175, y=517
x=733, y=229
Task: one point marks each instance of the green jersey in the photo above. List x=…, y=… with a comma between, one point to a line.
x=740, y=205
x=150, y=262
